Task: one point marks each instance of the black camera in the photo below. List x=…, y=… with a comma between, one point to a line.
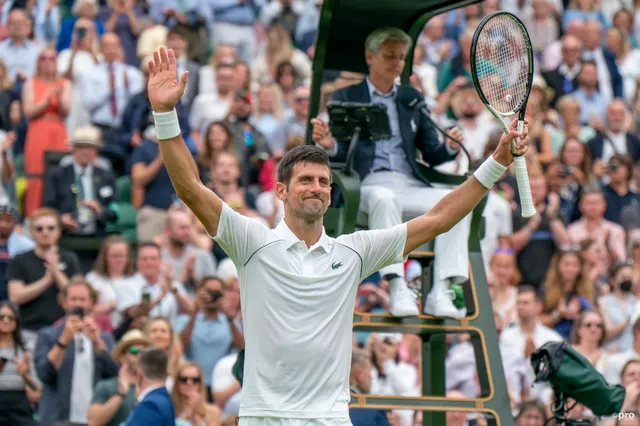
x=614, y=164
x=82, y=32
x=146, y=296
x=215, y=295
x=78, y=311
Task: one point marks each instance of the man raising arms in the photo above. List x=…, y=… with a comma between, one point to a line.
x=298, y=286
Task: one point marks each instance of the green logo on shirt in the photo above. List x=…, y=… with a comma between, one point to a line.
x=336, y=265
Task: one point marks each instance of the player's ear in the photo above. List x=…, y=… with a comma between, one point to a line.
x=281, y=190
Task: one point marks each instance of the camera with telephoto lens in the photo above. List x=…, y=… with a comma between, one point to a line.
x=572, y=376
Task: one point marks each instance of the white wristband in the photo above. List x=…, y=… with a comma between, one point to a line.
x=489, y=172
x=167, y=125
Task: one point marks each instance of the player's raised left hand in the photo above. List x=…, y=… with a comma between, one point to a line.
x=504, y=152
x=164, y=90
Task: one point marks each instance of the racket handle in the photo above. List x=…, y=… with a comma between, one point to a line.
x=522, y=176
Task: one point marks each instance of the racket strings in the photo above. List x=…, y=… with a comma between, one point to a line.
x=502, y=64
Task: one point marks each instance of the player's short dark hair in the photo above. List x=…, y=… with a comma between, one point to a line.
x=154, y=364
x=300, y=154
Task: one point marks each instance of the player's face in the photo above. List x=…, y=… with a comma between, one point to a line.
x=388, y=62
x=309, y=192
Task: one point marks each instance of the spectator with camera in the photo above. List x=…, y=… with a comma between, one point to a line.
x=113, y=398
x=38, y=276
x=72, y=357
x=207, y=335
x=156, y=280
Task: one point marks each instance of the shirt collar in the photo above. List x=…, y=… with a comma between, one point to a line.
x=374, y=91
x=147, y=391
x=283, y=231
x=88, y=170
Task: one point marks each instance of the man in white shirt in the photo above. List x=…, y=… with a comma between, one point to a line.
x=157, y=284
x=208, y=107
x=298, y=285
x=529, y=334
x=106, y=90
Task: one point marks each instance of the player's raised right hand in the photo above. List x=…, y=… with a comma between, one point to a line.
x=164, y=90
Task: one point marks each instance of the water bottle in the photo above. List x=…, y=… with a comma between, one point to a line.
x=458, y=300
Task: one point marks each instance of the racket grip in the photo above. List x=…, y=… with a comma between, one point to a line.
x=522, y=176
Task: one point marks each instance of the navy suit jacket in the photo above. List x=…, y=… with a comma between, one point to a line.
x=156, y=409
x=419, y=137
x=596, y=145
x=368, y=417
x=59, y=193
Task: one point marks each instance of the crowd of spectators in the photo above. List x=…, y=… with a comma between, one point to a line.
x=73, y=79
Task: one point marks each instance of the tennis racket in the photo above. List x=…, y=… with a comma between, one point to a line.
x=502, y=73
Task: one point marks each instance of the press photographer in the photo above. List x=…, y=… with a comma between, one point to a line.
x=71, y=357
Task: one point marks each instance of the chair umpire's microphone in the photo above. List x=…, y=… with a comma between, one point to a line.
x=419, y=104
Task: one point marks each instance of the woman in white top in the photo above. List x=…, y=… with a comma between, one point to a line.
x=627, y=59
x=503, y=279
x=73, y=63
x=587, y=338
x=112, y=278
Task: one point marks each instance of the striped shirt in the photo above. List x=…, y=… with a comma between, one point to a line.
x=389, y=154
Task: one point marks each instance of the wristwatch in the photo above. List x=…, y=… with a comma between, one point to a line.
x=61, y=345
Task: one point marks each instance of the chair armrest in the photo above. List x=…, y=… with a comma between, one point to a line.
x=349, y=186
x=435, y=176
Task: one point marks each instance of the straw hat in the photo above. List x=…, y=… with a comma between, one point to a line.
x=133, y=337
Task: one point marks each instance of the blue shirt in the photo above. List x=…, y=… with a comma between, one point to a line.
x=233, y=12
x=22, y=58
x=590, y=106
x=159, y=193
x=211, y=340
x=389, y=154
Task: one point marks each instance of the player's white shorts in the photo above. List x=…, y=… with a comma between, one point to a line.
x=272, y=421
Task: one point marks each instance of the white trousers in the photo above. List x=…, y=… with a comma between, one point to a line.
x=241, y=37
x=390, y=198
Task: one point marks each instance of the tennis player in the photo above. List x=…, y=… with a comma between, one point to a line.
x=297, y=285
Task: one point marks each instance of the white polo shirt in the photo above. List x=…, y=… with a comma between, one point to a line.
x=297, y=309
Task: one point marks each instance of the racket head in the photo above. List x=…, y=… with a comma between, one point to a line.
x=502, y=63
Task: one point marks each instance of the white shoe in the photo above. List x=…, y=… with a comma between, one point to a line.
x=402, y=302
x=440, y=304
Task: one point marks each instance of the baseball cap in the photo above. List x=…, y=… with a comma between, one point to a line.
x=8, y=208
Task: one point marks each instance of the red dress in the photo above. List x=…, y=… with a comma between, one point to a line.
x=46, y=132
